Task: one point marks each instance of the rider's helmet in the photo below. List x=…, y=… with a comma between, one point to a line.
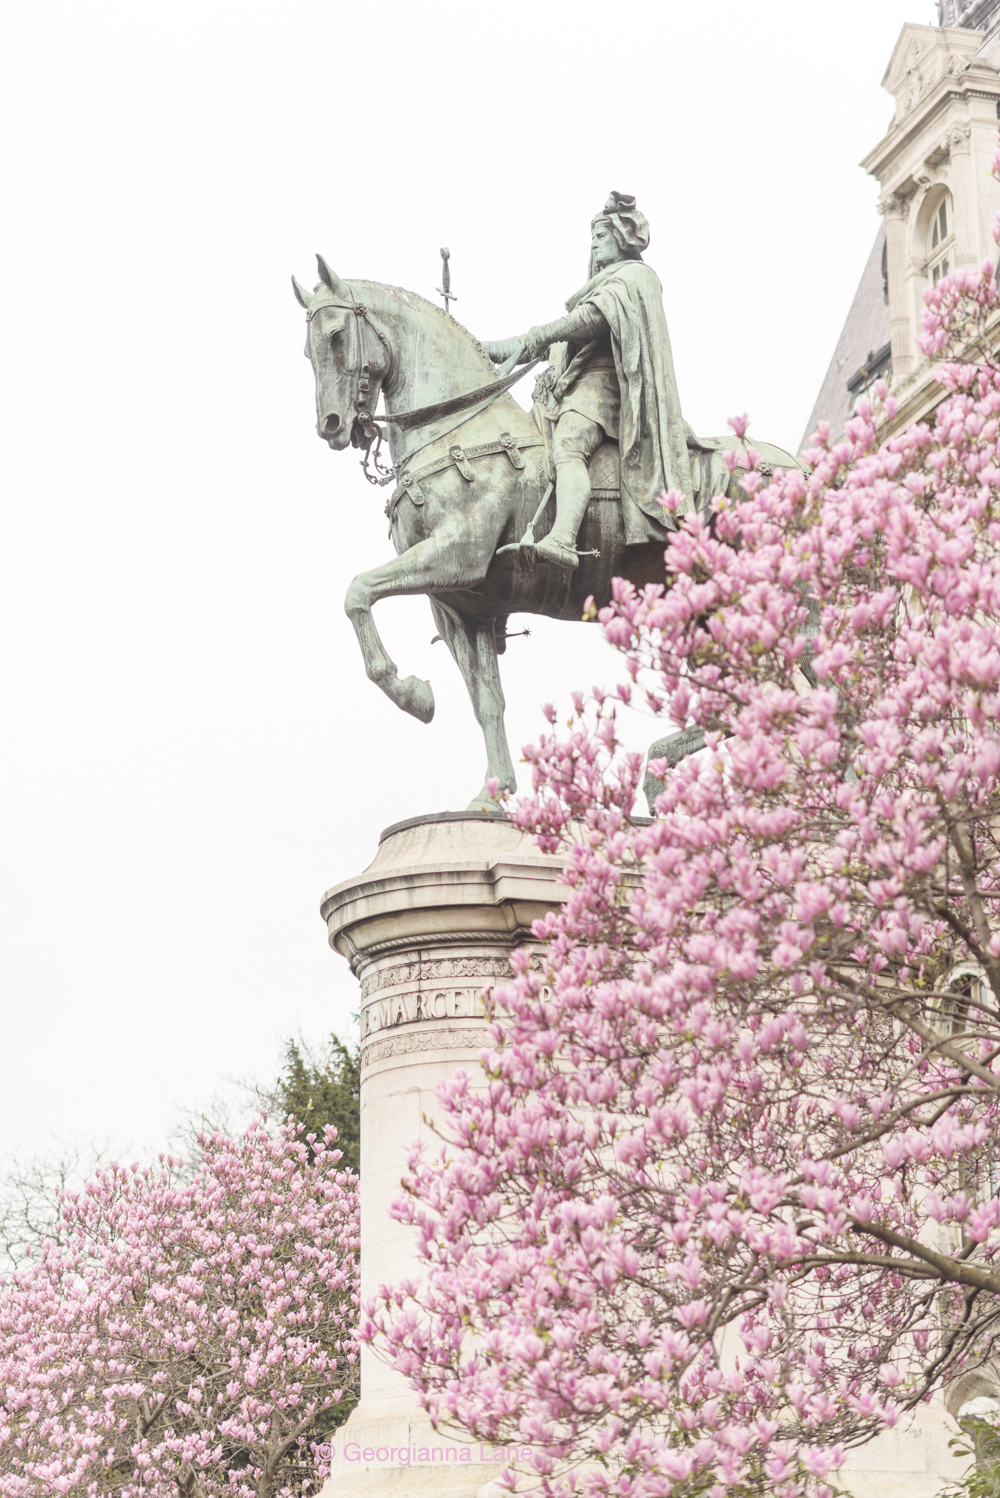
x=627, y=224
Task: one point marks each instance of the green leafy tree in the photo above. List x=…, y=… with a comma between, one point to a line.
x=980, y=1440
x=321, y=1087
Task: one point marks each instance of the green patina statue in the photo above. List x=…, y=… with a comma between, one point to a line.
x=470, y=471
x=611, y=376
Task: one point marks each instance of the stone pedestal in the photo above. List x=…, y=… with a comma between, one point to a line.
x=426, y=928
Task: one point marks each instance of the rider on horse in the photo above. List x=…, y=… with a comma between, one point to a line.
x=611, y=377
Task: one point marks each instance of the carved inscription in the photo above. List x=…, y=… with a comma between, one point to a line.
x=411, y=1008
x=432, y=988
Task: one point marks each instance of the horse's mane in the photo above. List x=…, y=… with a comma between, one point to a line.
x=439, y=311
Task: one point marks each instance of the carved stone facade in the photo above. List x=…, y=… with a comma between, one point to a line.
x=939, y=203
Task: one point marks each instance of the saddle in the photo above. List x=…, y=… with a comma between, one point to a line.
x=708, y=473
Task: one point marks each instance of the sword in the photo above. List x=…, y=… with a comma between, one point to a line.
x=444, y=290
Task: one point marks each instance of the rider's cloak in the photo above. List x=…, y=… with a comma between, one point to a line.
x=652, y=433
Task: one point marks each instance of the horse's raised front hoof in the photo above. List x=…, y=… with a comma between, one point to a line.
x=415, y=696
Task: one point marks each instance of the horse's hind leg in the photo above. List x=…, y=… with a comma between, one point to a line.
x=474, y=646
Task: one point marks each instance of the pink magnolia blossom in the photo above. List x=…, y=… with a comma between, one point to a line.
x=723, y=1201
x=185, y=1337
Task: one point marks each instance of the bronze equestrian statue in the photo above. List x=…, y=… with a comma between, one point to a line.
x=470, y=467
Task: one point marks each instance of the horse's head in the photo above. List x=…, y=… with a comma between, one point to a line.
x=348, y=358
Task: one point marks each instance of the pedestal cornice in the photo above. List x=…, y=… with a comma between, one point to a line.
x=438, y=882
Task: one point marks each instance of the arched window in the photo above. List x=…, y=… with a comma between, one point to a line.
x=941, y=241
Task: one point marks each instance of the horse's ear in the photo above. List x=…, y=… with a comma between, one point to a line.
x=329, y=277
x=302, y=296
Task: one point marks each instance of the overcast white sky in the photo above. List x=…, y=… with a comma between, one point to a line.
x=191, y=752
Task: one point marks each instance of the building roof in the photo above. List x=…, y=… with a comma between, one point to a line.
x=863, y=340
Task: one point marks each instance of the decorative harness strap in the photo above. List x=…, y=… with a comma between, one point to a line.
x=460, y=458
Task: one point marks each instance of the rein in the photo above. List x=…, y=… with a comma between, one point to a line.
x=423, y=414
x=480, y=399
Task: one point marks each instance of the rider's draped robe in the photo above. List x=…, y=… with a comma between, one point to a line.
x=652, y=433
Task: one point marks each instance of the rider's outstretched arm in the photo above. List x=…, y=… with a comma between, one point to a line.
x=579, y=326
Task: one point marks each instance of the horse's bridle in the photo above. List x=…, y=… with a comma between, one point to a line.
x=363, y=428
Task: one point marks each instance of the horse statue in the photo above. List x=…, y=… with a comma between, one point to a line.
x=471, y=472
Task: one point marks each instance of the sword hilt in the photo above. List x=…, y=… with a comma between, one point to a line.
x=444, y=290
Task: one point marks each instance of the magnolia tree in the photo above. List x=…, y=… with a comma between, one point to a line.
x=725, y=1202
x=185, y=1336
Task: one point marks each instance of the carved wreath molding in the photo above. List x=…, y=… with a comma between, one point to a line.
x=409, y=1042
x=433, y=970
x=361, y=960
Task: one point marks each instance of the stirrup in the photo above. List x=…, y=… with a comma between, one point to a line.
x=557, y=553
x=529, y=546
x=528, y=539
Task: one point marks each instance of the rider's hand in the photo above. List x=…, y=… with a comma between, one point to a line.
x=536, y=343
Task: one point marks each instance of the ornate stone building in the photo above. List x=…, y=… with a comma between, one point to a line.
x=939, y=203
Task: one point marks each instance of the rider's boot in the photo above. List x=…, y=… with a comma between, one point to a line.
x=572, y=499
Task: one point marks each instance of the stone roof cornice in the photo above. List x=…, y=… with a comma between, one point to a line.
x=980, y=82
